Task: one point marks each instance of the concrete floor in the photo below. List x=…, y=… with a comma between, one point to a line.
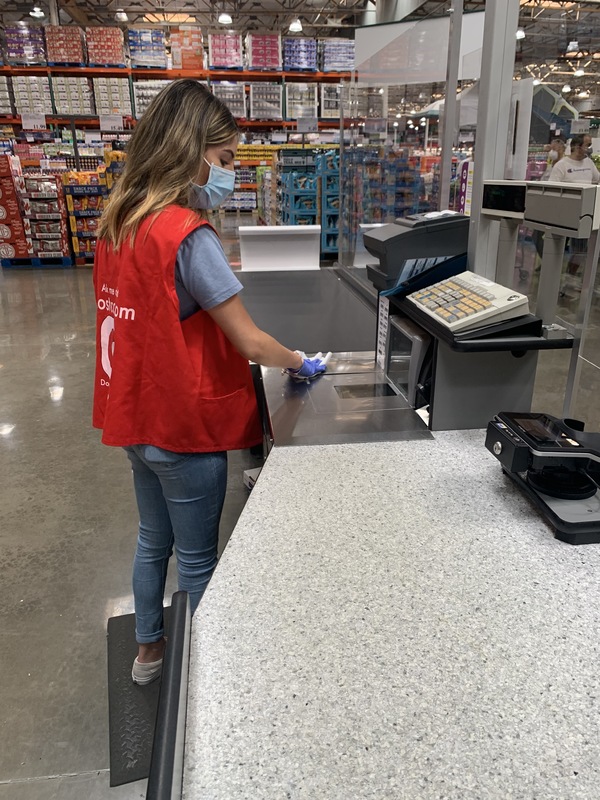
x=68, y=531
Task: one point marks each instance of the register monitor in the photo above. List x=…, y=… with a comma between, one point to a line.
x=418, y=237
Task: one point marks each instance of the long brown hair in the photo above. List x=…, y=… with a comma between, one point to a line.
x=164, y=156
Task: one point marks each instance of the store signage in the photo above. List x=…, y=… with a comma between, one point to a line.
x=308, y=125
x=383, y=320
x=34, y=122
x=111, y=122
x=279, y=137
x=580, y=126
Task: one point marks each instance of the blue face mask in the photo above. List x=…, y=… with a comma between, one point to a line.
x=218, y=187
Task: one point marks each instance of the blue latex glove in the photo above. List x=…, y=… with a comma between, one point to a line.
x=310, y=369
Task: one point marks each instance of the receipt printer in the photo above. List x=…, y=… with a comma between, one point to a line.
x=410, y=244
x=557, y=465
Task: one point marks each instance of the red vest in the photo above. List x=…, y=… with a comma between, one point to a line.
x=177, y=385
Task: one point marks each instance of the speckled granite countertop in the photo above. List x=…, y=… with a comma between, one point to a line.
x=395, y=621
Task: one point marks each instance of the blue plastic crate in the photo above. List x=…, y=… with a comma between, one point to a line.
x=304, y=202
x=331, y=204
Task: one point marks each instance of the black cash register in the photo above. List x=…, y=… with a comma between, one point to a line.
x=417, y=250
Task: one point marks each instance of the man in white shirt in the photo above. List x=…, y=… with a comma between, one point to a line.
x=577, y=167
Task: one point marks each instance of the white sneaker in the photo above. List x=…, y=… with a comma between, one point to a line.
x=143, y=674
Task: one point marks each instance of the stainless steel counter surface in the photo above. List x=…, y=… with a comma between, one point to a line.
x=352, y=402
x=393, y=620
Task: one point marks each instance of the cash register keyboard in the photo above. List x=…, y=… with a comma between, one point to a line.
x=469, y=301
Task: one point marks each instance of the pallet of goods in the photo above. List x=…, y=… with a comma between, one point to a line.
x=225, y=50
x=65, y=45
x=233, y=95
x=5, y=103
x=299, y=54
x=112, y=96
x=105, y=47
x=144, y=93
x=32, y=94
x=25, y=45
x=301, y=100
x=266, y=101
x=73, y=96
x=147, y=47
x=336, y=55
x=187, y=48
x=263, y=51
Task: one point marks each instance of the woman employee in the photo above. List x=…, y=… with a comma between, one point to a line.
x=173, y=384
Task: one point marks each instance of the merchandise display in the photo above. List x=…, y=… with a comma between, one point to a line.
x=263, y=51
x=105, y=47
x=86, y=193
x=65, y=44
x=233, y=95
x=328, y=171
x=187, y=48
x=299, y=200
x=32, y=94
x=147, y=47
x=266, y=101
x=112, y=96
x=299, y=54
x=336, y=55
x=25, y=44
x=331, y=99
x=225, y=50
x=5, y=103
x=301, y=100
x=144, y=92
x=73, y=95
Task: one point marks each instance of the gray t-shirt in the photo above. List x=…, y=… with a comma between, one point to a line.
x=203, y=277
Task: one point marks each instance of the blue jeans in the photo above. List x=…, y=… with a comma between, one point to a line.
x=180, y=498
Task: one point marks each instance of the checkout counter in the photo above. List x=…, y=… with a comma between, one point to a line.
x=392, y=618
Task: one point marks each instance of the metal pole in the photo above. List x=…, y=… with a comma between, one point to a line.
x=448, y=119
x=581, y=325
x=53, y=12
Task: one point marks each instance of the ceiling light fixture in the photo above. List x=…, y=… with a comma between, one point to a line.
x=572, y=48
x=584, y=94
x=225, y=18
x=566, y=88
x=520, y=33
x=121, y=16
x=296, y=26
x=536, y=81
x=36, y=12
x=579, y=72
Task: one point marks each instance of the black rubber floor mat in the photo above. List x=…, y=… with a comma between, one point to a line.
x=131, y=708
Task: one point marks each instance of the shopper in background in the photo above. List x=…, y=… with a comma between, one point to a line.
x=556, y=151
x=173, y=383
x=577, y=167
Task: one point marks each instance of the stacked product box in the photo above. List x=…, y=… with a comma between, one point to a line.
x=25, y=44
x=299, y=198
x=147, y=47
x=266, y=101
x=144, y=93
x=301, y=100
x=225, y=50
x=233, y=95
x=65, y=44
x=263, y=51
x=267, y=194
x=331, y=97
x=299, y=54
x=187, y=49
x=15, y=231
x=73, y=96
x=86, y=194
x=240, y=201
x=336, y=55
x=5, y=103
x=328, y=171
x=112, y=96
x=32, y=93
x=43, y=205
x=105, y=47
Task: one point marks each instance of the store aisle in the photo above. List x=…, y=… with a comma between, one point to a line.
x=67, y=541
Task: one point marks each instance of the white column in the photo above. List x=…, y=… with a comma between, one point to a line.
x=497, y=67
